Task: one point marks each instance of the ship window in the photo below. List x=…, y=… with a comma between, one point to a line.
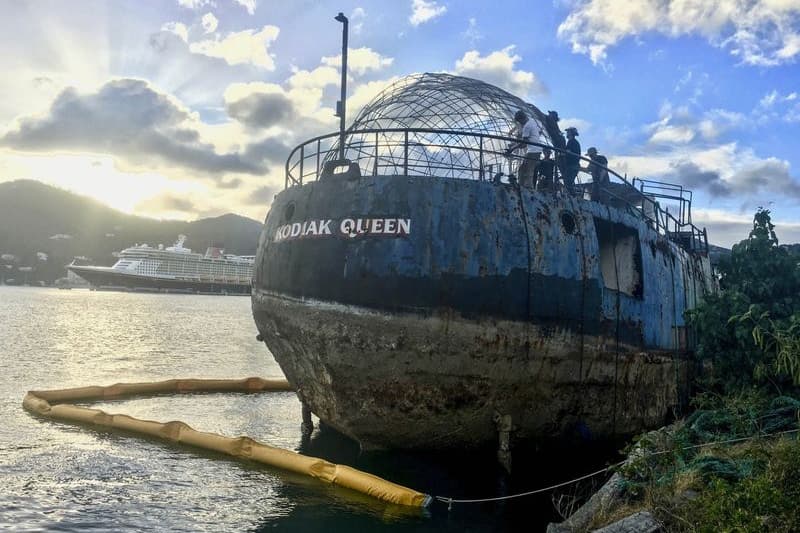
x=620, y=256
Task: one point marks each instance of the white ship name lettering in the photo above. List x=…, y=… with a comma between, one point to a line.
x=348, y=227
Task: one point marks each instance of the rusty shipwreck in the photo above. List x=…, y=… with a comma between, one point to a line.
x=410, y=297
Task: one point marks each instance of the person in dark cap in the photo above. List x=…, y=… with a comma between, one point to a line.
x=532, y=153
x=544, y=176
x=598, y=168
x=556, y=139
x=551, y=124
x=572, y=159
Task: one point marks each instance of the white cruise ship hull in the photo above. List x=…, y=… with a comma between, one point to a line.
x=108, y=277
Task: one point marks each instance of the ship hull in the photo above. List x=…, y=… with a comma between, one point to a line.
x=495, y=301
x=105, y=277
x=429, y=382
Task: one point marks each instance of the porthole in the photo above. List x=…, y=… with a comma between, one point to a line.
x=568, y=222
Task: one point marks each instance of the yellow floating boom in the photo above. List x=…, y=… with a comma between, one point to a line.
x=42, y=403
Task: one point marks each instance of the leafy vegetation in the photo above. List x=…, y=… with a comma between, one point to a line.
x=750, y=331
x=734, y=464
x=721, y=469
x=764, y=501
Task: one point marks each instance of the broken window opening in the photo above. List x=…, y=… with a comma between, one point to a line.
x=620, y=255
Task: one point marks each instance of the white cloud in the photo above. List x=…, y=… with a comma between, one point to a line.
x=760, y=32
x=133, y=121
x=724, y=171
x=581, y=125
x=775, y=99
x=693, y=85
x=209, y=23
x=793, y=114
x=357, y=18
x=318, y=78
x=497, y=68
x=726, y=228
x=472, y=33
x=423, y=11
x=672, y=135
x=178, y=28
x=360, y=60
x=243, y=47
x=776, y=106
x=679, y=125
x=249, y=5
x=196, y=4
x=769, y=99
x=718, y=121
x=365, y=92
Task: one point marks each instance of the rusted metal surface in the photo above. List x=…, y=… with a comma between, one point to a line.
x=410, y=381
x=496, y=300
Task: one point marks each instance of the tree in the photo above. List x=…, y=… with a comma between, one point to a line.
x=746, y=330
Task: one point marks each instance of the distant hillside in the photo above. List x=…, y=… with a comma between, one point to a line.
x=793, y=248
x=37, y=218
x=715, y=253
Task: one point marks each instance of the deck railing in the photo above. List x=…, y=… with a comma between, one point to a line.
x=480, y=156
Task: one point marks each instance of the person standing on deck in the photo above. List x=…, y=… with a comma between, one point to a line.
x=556, y=138
x=572, y=160
x=545, y=172
x=598, y=168
x=528, y=167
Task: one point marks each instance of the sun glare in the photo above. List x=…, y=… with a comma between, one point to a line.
x=97, y=177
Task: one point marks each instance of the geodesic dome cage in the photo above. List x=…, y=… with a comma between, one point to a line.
x=394, y=133
x=440, y=125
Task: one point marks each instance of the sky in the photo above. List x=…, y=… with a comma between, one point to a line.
x=188, y=108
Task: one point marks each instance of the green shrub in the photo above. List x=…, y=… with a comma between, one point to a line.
x=750, y=331
x=766, y=500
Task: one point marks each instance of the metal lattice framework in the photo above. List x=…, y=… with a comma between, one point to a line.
x=447, y=102
x=452, y=104
x=446, y=126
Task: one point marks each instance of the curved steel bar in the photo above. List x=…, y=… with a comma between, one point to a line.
x=435, y=131
x=480, y=136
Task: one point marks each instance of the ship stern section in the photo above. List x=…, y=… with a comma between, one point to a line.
x=410, y=312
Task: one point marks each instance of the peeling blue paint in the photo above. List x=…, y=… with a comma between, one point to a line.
x=482, y=250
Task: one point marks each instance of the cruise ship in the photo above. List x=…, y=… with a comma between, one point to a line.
x=172, y=269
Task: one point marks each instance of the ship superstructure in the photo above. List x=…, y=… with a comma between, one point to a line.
x=414, y=295
x=174, y=268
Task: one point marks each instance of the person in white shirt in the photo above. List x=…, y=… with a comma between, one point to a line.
x=532, y=153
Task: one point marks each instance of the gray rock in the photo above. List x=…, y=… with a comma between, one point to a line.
x=601, y=501
x=641, y=522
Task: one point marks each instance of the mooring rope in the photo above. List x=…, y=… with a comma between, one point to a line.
x=451, y=501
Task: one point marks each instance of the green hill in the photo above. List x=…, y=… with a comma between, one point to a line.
x=37, y=218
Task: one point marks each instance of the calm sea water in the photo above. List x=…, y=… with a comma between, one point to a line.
x=59, y=477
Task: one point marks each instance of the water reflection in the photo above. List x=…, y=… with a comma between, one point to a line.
x=63, y=477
